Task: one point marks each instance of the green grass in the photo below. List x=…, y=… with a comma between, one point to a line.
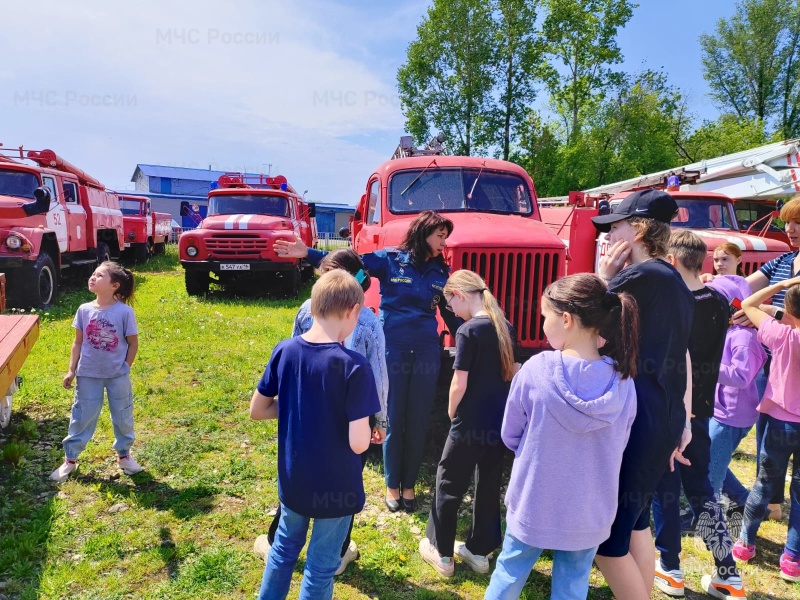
x=184, y=528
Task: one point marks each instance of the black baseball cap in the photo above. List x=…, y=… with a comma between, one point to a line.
x=651, y=204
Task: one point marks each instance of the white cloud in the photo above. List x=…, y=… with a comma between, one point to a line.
x=192, y=83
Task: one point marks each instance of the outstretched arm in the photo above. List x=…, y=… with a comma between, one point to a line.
x=752, y=304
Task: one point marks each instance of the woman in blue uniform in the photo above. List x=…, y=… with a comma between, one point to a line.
x=412, y=279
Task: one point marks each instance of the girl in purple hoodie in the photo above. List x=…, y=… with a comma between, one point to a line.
x=567, y=420
x=736, y=400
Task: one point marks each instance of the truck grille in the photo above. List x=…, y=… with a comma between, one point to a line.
x=236, y=245
x=517, y=279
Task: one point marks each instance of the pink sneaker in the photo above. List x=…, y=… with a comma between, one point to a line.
x=742, y=552
x=790, y=569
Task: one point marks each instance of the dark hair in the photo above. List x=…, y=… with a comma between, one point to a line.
x=416, y=240
x=614, y=316
x=123, y=277
x=791, y=301
x=348, y=260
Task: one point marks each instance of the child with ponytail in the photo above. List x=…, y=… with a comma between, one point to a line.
x=567, y=420
x=486, y=360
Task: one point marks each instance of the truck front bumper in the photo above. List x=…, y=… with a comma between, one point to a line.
x=232, y=266
x=13, y=262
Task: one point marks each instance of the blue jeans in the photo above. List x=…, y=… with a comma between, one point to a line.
x=711, y=522
x=724, y=441
x=777, y=494
x=781, y=442
x=86, y=410
x=322, y=556
x=569, y=581
x=412, y=387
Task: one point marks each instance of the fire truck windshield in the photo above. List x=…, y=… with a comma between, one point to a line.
x=248, y=204
x=697, y=213
x=448, y=190
x=18, y=183
x=130, y=207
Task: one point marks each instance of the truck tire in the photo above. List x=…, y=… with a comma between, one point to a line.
x=103, y=253
x=160, y=248
x=197, y=282
x=39, y=283
x=141, y=253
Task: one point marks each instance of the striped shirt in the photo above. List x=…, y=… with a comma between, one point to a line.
x=777, y=270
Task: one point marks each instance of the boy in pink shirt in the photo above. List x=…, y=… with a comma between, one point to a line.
x=781, y=441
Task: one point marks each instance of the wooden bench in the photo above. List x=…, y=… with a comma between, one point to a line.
x=18, y=334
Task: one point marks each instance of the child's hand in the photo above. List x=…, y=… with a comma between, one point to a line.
x=67, y=381
x=378, y=435
x=739, y=318
x=614, y=261
x=706, y=277
x=686, y=438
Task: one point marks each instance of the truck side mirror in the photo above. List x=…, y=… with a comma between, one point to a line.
x=312, y=210
x=344, y=233
x=41, y=205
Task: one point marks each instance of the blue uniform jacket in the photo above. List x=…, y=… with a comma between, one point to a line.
x=409, y=297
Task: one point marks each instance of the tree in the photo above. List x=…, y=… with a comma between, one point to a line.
x=728, y=134
x=520, y=63
x=447, y=80
x=581, y=36
x=752, y=63
x=539, y=153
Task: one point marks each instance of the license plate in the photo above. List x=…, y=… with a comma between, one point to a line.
x=127, y=244
x=233, y=267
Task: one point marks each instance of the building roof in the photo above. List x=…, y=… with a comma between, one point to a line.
x=180, y=173
x=334, y=206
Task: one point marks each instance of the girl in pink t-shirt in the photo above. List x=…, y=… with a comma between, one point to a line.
x=781, y=439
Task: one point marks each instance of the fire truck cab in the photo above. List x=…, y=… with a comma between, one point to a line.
x=234, y=242
x=146, y=231
x=497, y=232
x=54, y=219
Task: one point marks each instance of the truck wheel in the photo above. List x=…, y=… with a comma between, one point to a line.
x=5, y=410
x=290, y=283
x=197, y=282
x=39, y=283
x=307, y=273
x=103, y=253
x=141, y=253
x=160, y=248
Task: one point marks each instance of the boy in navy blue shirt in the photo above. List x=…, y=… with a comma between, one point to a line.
x=322, y=395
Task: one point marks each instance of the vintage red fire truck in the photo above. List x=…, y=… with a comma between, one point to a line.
x=146, y=231
x=245, y=216
x=497, y=233
x=54, y=219
x=710, y=215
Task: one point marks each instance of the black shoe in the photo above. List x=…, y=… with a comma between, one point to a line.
x=688, y=522
x=409, y=505
x=392, y=505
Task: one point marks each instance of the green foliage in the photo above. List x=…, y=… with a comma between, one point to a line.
x=726, y=135
x=581, y=37
x=446, y=82
x=13, y=452
x=752, y=63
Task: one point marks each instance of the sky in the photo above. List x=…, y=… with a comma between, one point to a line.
x=305, y=89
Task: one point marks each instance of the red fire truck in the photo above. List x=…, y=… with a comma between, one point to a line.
x=234, y=242
x=146, y=231
x=497, y=233
x=54, y=219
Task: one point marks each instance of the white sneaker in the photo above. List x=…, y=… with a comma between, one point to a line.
x=443, y=564
x=349, y=556
x=129, y=465
x=261, y=547
x=669, y=582
x=731, y=588
x=63, y=472
x=479, y=564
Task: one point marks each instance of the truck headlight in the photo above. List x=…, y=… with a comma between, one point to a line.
x=14, y=242
x=131, y=235
x=191, y=251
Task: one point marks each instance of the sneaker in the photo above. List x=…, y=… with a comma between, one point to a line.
x=443, y=564
x=790, y=569
x=129, y=465
x=479, y=564
x=742, y=552
x=261, y=547
x=731, y=588
x=688, y=522
x=349, y=556
x=63, y=472
x=669, y=582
